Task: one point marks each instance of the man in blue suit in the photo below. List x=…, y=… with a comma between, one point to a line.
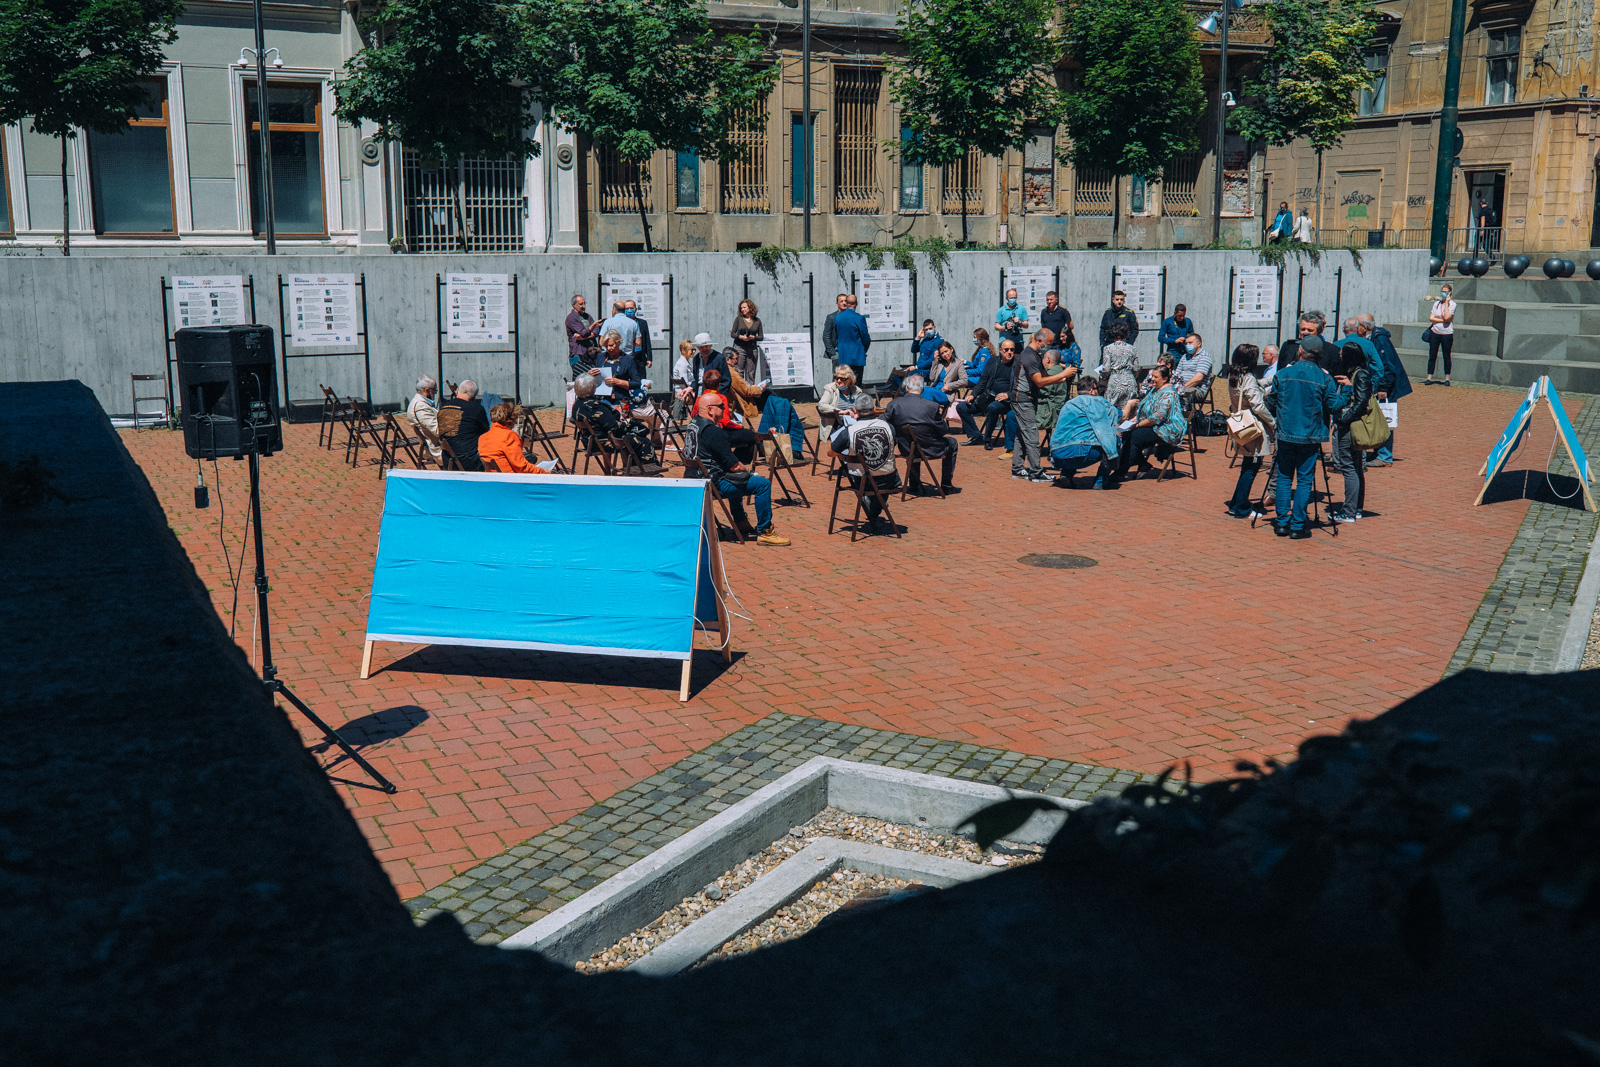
x=854, y=338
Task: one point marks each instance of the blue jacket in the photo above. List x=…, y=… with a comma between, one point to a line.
x=1303, y=399
x=1393, y=379
x=1085, y=420
x=980, y=356
x=1172, y=334
x=923, y=352
x=1374, y=361
x=854, y=338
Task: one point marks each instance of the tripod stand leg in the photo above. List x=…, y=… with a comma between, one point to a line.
x=333, y=736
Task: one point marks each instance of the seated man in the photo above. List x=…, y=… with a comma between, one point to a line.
x=502, y=445
x=1157, y=425
x=992, y=396
x=1085, y=433
x=462, y=421
x=605, y=419
x=422, y=411
x=924, y=347
x=916, y=417
x=871, y=440
x=1052, y=397
x=741, y=438
x=707, y=441
x=1192, y=377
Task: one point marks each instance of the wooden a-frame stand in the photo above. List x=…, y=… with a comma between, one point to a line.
x=719, y=581
x=1540, y=391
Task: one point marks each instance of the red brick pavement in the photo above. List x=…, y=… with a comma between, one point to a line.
x=1196, y=638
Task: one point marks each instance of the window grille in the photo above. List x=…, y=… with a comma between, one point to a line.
x=480, y=199
x=855, y=175
x=621, y=182
x=744, y=181
x=1091, y=194
x=963, y=181
x=1178, y=181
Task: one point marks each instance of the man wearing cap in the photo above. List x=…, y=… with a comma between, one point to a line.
x=705, y=358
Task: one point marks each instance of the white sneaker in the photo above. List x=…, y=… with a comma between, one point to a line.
x=1340, y=516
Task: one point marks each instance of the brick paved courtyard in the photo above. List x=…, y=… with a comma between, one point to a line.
x=1195, y=638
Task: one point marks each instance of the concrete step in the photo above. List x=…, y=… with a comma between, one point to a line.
x=1564, y=347
x=1567, y=377
x=1470, y=340
x=1532, y=287
x=1522, y=316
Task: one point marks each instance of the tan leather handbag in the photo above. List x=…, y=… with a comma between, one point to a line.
x=1245, y=429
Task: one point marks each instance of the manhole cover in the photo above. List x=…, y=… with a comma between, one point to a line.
x=1057, y=561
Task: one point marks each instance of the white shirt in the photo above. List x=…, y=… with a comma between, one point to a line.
x=1443, y=308
x=1302, y=229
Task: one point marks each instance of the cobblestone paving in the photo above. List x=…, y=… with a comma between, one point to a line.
x=508, y=892
x=1523, y=617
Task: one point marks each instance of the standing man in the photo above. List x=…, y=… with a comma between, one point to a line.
x=1303, y=399
x=641, y=350
x=853, y=338
x=626, y=328
x=1483, y=221
x=581, y=334
x=1027, y=382
x=1118, y=312
x=1389, y=385
x=830, y=330
x=1282, y=224
x=1011, y=320
x=1054, y=317
x=1175, y=330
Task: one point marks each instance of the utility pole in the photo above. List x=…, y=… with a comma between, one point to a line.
x=266, y=138
x=805, y=114
x=1444, y=165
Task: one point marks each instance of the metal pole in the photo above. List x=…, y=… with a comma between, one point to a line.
x=805, y=114
x=1222, y=123
x=1444, y=164
x=266, y=139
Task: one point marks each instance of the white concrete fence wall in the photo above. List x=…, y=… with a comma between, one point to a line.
x=99, y=319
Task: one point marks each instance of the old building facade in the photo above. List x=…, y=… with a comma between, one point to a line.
x=1528, y=133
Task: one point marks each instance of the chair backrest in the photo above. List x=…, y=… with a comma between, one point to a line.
x=693, y=468
x=490, y=465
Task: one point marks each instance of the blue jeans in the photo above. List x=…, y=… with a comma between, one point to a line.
x=1011, y=432
x=1386, y=450
x=1249, y=466
x=969, y=425
x=758, y=487
x=1071, y=464
x=1297, y=463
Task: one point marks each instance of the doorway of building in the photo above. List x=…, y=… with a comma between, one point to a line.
x=1594, y=214
x=1485, y=232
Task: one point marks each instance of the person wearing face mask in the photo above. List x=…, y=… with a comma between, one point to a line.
x=1175, y=330
x=1119, y=312
x=1011, y=321
x=982, y=352
x=1441, y=333
x=642, y=353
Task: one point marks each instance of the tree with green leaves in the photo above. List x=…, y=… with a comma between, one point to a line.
x=450, y=78
x=978, y=74
x=639, y=77
x=1311, y=80
x=1138, y=97
x=75, y=65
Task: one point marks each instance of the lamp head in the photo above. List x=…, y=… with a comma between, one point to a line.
x=1209, y=24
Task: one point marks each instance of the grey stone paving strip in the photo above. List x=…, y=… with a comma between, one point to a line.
x=1523, y=618
x=510, y=891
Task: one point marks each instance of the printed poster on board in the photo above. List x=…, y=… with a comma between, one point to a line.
x=217, y=301
x=886, y=302
x=1143, y=286
x=477, y=309
x=1255, y=295
x=788, y=357
x=322, y=310
x=648, y=291
x=1031, y=283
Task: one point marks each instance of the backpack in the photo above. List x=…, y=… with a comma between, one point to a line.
x=1211, y=423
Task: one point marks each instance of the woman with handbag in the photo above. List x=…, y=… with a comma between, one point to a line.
x=1250, y=425
x=1441, y=333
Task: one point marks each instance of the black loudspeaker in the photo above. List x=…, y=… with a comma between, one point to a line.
x=228, y=391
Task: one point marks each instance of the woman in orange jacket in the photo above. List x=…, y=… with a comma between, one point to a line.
x=502, y=444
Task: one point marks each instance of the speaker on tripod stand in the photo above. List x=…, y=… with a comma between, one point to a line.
x=228, y=401
x=228, y=391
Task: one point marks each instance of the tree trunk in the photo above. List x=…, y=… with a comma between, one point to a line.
x=966, y=182
x=644, y=221
x=1116, y=206
x=66, y=211
x=1316, y=238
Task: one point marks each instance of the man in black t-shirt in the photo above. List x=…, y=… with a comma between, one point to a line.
x=1054, y=317
x=462, y=421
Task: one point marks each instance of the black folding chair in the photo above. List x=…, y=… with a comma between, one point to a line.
x=860, y=487
x=693, y=468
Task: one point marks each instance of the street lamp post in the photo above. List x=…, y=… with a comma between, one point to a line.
x=805, y=115
x=1444, y=164
x=266, y=140
x=1217, y=23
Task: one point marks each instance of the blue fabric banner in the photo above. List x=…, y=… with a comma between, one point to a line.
x=615, y=566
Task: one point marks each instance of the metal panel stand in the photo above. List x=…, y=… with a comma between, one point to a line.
x=514, y=333
x=168, y=332
x=313, y=406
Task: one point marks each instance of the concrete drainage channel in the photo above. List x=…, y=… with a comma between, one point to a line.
x=657, y=882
